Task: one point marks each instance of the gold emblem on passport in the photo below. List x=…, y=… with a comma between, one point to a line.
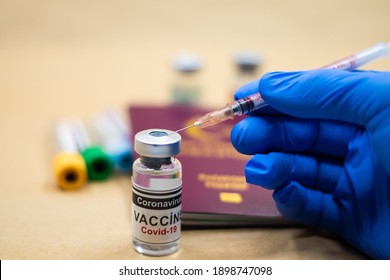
x=228, y=197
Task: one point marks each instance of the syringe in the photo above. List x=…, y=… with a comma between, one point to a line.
x=255, y=101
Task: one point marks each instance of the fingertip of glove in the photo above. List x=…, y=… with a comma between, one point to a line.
x=237, y=136
x=288, y=201
x=233, y=136
x=273, y=83
x=258, y=172
x=263, y=170
x=247, y=136
x=247, y=89
x=285, y=195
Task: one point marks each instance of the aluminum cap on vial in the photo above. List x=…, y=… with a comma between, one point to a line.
x=157, y=143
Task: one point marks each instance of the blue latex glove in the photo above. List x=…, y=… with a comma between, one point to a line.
x=327, y=156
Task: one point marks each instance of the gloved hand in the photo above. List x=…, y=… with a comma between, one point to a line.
x=326, y=154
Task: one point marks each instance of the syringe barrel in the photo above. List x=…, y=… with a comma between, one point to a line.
x=255, y=101
x=354, y=61
x=377, y=51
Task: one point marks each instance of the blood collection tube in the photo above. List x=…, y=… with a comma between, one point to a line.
x=99, y=165
x=112, y=134
x=68, y=165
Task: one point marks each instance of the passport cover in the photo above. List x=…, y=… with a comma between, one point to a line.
x=215, y=192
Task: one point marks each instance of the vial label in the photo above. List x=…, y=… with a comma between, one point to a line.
x=156, y=215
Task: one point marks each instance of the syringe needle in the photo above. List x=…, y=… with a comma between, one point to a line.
x=184, y=128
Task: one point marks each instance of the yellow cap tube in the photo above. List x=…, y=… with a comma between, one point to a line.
x=69, y=170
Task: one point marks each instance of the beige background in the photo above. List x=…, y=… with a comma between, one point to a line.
x=74, y=58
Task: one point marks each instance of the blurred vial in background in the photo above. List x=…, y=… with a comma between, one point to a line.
x=186, y=88
x=247, y=66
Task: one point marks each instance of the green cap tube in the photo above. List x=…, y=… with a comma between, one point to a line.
x=99, y=165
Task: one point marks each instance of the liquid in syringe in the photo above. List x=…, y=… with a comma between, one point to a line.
x=238, y=108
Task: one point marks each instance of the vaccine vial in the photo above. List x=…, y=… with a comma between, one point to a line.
x=247, y=68
x=156, y=192
x=186, y=88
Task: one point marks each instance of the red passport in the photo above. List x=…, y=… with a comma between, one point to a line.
x=215, y=192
